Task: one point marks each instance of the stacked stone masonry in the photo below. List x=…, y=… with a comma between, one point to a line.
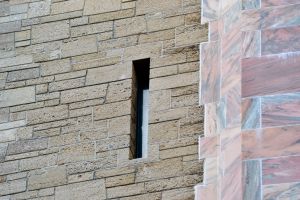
x=250, y=69
x=65, y=99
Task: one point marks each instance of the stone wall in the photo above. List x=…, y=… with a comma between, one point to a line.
x=65, y=99
x=250, y=84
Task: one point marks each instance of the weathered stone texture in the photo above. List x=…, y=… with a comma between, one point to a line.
x=50, y=31
x=101, y=6
x=67, y=99
x=94, y=190
x=17, y=96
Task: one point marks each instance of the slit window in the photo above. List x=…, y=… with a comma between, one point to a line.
x=140, y=101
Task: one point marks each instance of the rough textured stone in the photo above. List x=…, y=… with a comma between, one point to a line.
x=12, y=187
x=23, y=74
x=84, y=93
x=100, y=6
x=92, y=190
x=47, y=114
x=130, y=26
x=146, y=7
x=55, y=67
x=108, y=74
x=50, y=31
x=40, y=8
x=127, y=190
x=79, y=152
x=47, y=178
x=67, y=6
x=112, y=110
x=23, y=146
x=17, y=96
x=79, y=46
x=9, y=167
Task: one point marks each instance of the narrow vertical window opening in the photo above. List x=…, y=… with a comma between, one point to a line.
x=140, y=101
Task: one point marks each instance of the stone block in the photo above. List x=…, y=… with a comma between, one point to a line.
x=110, y=144
x=24, y=146
x=47, y=177
x=91, y=29
x=108, y=74
x=178, y=194
x=4, y=115
x=40, y=8
x=152, y=196
x=9, y=167
x=78, y=152
x=80, y=177
x=119, y=180
x=119, y=126
x=112, y=110
x=67, y=84
x=17, y=60
x=190, y=35
x=114, y=172
x=147, y=7
x=163, y=131
x=111, y=16
x=130, y=26
x=70, y=75
x=12, y=187
x=23, y=74
x=17, y=96
x=50, y=31
x=22, y=35
x=85, y=93
x=79, y=46
x=38, y=162
x=118, y=43
x=91, y=190
x=55, y=67
x=168, y=82
x=119, y=91
x=158, y=24
x=13, y=124
x=177, y=152
x=101, y=6
x=127, y=190
x=8, y=135
x=10, y=27
x=66, y=6
x=160, y=100
x=3, y=149
x=47, y=114
x=158, y=170
x=7, y=42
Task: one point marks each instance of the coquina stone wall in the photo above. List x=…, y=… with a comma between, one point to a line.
x=65, y=99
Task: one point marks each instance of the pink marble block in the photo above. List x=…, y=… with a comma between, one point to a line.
x=271, y=74
x=230, y=148
x=208, y=147
x=269, y=3
x=285, y=191
x=267, y=18
x=251, y=113
x=282, y=40
x=251, y=43
x=210, y=72
x=231, y=183
x=281, y=110
x=281, y=170
x=271, y=142
x=206, y=192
